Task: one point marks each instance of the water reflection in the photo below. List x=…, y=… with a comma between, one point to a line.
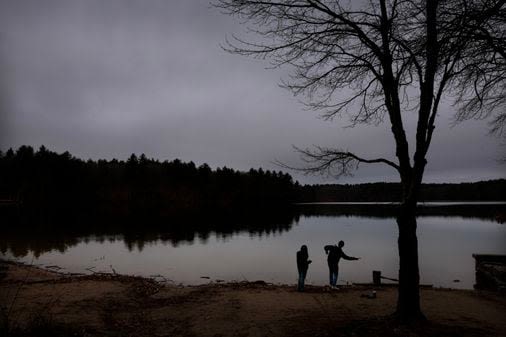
x=39, y=238
x=31, y=235
x=262, y=245
x=474, y=210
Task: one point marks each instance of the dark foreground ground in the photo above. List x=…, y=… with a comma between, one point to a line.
x=37, y=302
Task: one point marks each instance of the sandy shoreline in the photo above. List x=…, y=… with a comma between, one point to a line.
x=118, y=305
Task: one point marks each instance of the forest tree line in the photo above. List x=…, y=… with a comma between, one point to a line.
x=45, y=180
x=491, y=190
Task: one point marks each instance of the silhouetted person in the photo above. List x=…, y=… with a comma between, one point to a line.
x=335, y=253
x=302, y=266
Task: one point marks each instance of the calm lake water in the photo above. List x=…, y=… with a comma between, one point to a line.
x=446, y=245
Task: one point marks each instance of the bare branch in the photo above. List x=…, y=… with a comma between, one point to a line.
x=334, y=162
x=383, y=58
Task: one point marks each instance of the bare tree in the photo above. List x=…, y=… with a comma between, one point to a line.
x=482, y=92
x=389, y=57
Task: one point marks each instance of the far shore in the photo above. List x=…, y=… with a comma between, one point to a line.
x=120, y=305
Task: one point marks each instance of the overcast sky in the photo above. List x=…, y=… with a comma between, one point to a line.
x=104, y=79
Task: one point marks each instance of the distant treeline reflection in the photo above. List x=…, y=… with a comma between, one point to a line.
x=40, y=238
x=491, y=212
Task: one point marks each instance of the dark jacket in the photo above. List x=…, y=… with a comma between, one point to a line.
x=335, y=254
x=302, y=260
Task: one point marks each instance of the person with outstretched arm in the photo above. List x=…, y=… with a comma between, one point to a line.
x=302, y=266
x=334, y=254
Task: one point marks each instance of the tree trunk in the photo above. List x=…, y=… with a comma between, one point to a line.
x=408, y=302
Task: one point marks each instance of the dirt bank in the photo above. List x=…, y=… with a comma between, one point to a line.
x=115, y=305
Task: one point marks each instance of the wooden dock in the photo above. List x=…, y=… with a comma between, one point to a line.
x=490, y=272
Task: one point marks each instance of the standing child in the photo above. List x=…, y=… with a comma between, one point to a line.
x=302, y=266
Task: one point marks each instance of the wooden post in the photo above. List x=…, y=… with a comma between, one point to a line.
x=376, y=277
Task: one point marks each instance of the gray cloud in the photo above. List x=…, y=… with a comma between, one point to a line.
x=103, y=79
